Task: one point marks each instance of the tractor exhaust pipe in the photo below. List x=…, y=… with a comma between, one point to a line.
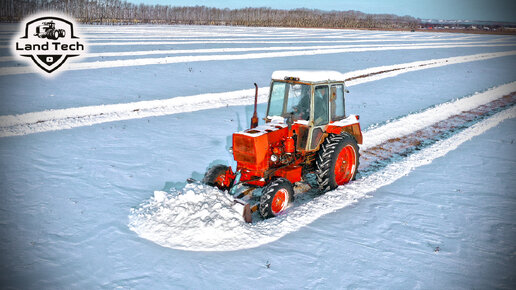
x=254, y=119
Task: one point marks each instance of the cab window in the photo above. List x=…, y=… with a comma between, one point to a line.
x=337, y=103
x=277, y=99
x=290, y=98
x=321, y=105
x=298, y=102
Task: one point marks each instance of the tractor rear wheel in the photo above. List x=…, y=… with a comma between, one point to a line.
x=337, y=161
x=276, y=196
x=215, y=176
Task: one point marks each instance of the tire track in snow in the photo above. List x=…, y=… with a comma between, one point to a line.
x=374, y=157
x=52, y=120
x=15, y=70
x=200, y=219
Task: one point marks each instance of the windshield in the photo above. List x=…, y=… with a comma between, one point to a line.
x=290, y=98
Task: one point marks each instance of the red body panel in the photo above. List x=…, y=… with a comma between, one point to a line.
x=292, y=173
x=353, y=129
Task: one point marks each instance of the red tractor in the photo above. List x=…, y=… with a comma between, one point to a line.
x=306, y=131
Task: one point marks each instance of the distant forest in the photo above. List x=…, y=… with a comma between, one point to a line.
x=122, y=12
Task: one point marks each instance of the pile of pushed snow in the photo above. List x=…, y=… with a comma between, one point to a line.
x=201, y=218
x=199, y=214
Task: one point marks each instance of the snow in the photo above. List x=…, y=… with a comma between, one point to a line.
x=13, y=125
x=309, y=75
x=349, y=120
x=394, y=70
x=202, y=58
x=274, y=125
x=94, y=192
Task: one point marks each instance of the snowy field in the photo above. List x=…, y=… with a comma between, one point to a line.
x=94, y=162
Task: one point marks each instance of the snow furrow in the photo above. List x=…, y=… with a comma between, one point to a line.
x=174, y=37
x=51, y=120
x=258, y=41
x=14, y=70
x=201, y=218
x=237, y=49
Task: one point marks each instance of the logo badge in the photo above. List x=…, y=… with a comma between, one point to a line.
x=49, y=41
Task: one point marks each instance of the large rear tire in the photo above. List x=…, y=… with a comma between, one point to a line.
x=337, y=161
x=215, y=176
x=276, y=197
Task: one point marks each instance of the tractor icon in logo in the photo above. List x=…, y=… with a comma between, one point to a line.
x=48, y=30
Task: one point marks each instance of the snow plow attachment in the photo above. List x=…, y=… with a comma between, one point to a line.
x=223, y=178
x=270, y=200
x=244, y=209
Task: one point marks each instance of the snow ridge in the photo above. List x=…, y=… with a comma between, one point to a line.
x=244, y=49
x=200, y=218
x=52, y=120
x=14, y=70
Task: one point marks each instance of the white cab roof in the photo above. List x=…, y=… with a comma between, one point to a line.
x=309, y=75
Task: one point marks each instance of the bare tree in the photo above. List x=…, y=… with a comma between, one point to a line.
x=123, y=12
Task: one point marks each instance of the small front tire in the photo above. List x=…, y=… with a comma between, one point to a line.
x=276, y=197
x=215, y=176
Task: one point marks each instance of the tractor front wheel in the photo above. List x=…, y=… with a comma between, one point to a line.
x=276, y=196
x=337, y=161
x=215, y=176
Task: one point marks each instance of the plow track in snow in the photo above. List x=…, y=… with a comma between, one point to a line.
x=382, y=154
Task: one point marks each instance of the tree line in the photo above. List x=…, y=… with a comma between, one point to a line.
x=123, y=12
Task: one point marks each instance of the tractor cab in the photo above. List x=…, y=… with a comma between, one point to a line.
x=41, y=29
x=312, y=99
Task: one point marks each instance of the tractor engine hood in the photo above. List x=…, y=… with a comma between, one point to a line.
x=251, y=146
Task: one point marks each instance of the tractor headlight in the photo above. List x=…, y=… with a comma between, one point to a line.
x=274, y=158
x=230, y=149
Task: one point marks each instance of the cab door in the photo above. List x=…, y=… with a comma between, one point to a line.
x=337, y=102
x=319, y=115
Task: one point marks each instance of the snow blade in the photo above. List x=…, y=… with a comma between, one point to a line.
x=244, y=209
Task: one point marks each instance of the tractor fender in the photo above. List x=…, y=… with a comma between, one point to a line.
x=350, y=125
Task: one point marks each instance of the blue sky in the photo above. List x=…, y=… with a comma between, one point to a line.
x=494, y=10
